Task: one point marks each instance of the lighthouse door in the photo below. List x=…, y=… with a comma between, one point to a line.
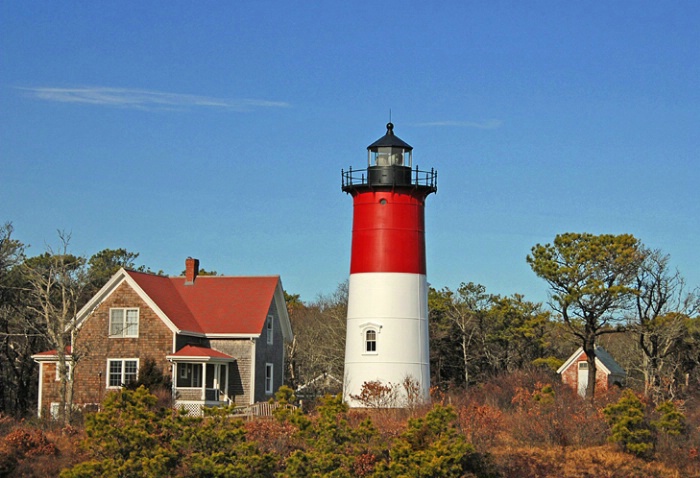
x=582, y=378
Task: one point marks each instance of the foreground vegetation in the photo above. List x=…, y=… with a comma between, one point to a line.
x=519, y=425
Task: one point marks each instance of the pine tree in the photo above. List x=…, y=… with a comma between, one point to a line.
x=629, y=427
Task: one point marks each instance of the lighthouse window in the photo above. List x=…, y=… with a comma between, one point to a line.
x=382, y=201
x=370, y=341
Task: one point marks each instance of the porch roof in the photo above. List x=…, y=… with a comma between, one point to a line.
x=194, y=353
x=52, y=355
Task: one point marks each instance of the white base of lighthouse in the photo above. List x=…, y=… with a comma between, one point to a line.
x=395, y=307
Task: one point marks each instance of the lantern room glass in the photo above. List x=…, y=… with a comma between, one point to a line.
x=389, y=156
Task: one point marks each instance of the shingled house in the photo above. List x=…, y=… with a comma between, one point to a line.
x=220, y=339
x=574, y=372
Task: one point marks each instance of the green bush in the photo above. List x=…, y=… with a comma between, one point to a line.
x=671, y=420
x=629, y=427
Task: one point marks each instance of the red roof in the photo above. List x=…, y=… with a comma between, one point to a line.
x=213, y=304
x=195, y=351
x=51, y=353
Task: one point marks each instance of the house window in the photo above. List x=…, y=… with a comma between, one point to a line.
x=121, y=372
x=189, y=375
x=124, y=322
x=69, y=369
x=269, y=326
x=268, y=378
x=371, y=341
x=583, y=365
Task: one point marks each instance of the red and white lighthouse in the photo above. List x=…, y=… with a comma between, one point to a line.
x=387, y=324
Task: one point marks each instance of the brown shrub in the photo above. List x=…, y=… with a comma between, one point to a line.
x=272, y=436
x=21, y=445
x=598, y=462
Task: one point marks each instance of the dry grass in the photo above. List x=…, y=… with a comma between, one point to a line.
x=592, y=462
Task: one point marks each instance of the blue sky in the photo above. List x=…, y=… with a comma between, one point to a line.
x=218, y=129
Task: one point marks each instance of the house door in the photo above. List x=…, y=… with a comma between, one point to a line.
x=582, y=378
x=216, y=381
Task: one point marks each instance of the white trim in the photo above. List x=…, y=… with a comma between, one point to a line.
x=252, y=372
x=198, y=359
x=41, y=388
x=282, y=315
x=371, y=325
x=228, y=336
x=39, y=358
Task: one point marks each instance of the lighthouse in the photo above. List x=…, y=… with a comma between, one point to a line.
x=387, y=322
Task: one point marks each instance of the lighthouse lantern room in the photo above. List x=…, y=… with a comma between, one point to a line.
x=387, y=322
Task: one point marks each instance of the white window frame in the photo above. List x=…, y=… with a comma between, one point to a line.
x=69, y=371
x=54, y=410
x=370, y=327
x=270, y=327
x=373, y=341
x=269, y=378
x=125, y=325
x=122, y=372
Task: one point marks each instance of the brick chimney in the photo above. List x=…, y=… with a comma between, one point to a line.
x=191, y=270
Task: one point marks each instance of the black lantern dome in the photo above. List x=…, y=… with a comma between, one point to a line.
x=389, y=165
x=389, y=150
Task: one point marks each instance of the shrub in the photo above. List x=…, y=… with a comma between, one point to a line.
x=629, y=427
x=24, y=445
x=432, y=446
x=671, y=420
x=375, y=394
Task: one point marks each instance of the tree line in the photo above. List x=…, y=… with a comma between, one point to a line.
x=604, y=289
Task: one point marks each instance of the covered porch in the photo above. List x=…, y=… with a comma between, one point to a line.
x=200, y=378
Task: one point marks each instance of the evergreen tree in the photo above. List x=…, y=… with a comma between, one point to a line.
x=629, y=427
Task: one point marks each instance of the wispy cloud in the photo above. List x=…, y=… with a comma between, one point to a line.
x=486, y=124
x=144, y=99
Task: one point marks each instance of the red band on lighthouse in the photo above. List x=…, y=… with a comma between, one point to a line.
x=388, y=232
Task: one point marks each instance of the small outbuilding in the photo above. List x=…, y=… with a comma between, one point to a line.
x=574, y=372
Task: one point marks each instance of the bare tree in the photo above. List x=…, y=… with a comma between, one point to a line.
x=662, y=306
x=318, y=347
x=56, y=280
